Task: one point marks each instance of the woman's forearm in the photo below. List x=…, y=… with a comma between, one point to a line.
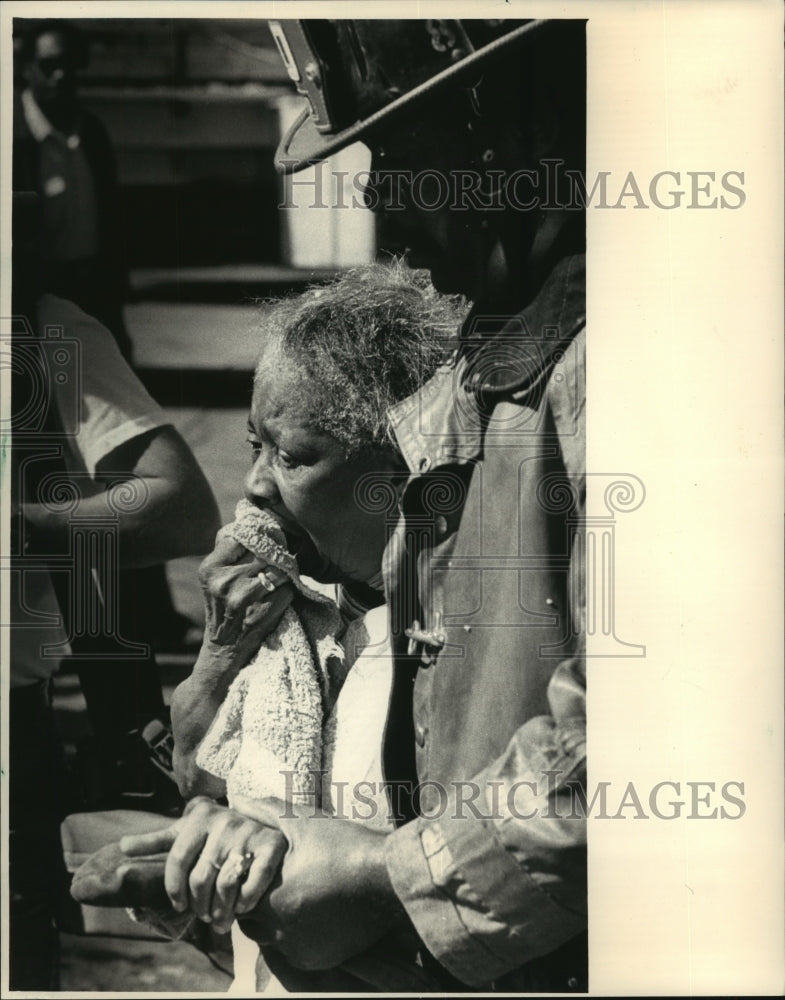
x=194, y=705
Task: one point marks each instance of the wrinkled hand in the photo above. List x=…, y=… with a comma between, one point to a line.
x=209, y=850
x=245, y=600
x=332, y=897
x=244, y=597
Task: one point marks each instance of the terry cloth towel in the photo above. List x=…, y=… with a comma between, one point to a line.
x=266, y=739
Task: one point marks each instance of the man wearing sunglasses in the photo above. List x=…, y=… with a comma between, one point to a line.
x=63, y=152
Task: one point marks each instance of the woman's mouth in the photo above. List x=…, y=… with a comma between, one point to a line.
x=290, y=526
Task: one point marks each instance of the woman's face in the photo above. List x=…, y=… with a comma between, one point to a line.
x=303, y=476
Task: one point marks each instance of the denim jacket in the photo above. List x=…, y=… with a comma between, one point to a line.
x=484, y=578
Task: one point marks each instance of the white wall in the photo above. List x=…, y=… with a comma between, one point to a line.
x=340, y=234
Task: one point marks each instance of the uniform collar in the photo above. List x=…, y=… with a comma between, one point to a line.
x=444, y=421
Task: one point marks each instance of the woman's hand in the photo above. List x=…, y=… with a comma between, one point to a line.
x=244, y=597
x=245, y=600
x=220, y=862
x=333, y=897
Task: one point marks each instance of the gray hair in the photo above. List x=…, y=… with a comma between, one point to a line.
x=363, y=343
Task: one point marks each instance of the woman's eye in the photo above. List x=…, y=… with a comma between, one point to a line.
x=282, y=458
x=287, y=461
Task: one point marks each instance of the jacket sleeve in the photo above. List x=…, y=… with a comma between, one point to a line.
x=495, y=882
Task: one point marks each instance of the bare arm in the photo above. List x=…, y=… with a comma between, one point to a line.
x=194, y=705
x=175, y=514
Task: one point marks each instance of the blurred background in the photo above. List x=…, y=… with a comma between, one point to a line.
x=194, y=110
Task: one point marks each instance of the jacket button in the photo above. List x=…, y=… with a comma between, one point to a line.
x=419, y=734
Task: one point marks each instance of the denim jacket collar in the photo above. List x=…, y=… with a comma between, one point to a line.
x=444, y=421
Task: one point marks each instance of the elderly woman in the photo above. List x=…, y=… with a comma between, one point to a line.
x=334, y=360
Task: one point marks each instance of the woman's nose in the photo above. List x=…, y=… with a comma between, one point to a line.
x=260, y=487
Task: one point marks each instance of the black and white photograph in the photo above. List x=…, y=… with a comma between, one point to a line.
x=392, y=491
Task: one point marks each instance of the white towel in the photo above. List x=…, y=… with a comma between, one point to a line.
x=266, y=739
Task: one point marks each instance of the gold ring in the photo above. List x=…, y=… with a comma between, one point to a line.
x=239, y=864
x=265, y=581
x=216, y=865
